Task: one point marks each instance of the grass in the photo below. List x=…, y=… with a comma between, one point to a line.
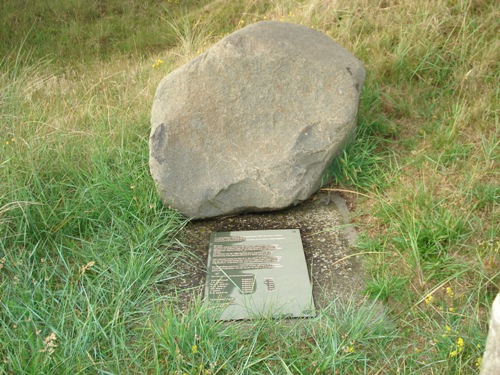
x=79, y=30
x=194, y=344
x=87, y=250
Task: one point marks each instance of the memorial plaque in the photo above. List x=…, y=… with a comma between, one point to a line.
x=255, y=274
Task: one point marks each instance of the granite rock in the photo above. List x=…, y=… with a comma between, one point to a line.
x=252, y=123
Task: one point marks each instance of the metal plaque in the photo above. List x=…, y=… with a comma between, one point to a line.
x=254, y=274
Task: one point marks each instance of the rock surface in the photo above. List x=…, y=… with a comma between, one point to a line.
x=491, y=359
x=252, y=123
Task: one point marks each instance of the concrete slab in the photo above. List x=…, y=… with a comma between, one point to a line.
x=327, y=238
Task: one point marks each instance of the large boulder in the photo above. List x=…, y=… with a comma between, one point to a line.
x=252, y=123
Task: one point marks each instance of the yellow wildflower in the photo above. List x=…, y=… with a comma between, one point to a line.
x=451, y=309
x=459, y=349
x=449, y=292
x=349, y=349
x=478, y=362
x=194, y=349
x=157, y=63
x=429, y=299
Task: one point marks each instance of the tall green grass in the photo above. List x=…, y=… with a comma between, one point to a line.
x=426, y=146
x=86, y=247
x=354, y=341
x=83, y=237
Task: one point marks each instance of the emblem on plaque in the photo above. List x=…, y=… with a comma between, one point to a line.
x=269, y=282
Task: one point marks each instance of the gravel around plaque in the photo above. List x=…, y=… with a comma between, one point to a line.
x=327, y=239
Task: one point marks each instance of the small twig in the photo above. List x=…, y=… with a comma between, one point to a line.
x=352, y=255
x=347, y=191
x=380, y=371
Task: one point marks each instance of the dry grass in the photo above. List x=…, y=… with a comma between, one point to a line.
x=80, y=223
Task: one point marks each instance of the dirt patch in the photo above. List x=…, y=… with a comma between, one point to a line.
x=327, y=238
